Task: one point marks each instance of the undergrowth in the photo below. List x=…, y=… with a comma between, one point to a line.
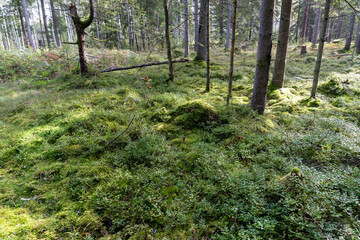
x=188, y=166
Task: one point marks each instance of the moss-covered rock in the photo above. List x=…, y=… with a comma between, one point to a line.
x=194, y=114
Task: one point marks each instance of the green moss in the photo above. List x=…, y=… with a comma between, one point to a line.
x=333, y=87
x=195, y=113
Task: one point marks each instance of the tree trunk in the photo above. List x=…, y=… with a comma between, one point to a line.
x=45, y=24
x=320, y=50
x=26, y=39
x=27, y=22
x=221, y=21
x=80, y=32
x=340, y=28
x=41, y=27
x=232, y=52
x=196, y=24
x=208, y=47
x=316, y=27
x=186, y=28
x=36, y=40
x=227, y=43
x=350, y=32
x=55, y=23
x=283, y=40
x=201, y=51
x=168, y=43
x=297, y=24
x=357, y=44
x=304, y=27
x=258, y=99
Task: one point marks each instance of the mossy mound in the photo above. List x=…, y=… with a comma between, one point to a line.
x=333, y=87
x=195, y=114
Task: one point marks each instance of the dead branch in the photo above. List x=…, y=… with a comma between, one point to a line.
x=144, y=65
x=121, y=132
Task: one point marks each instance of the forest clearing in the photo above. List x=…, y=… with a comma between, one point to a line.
x=141, y=139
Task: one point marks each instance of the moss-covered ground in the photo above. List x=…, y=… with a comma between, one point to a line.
x=188, y=166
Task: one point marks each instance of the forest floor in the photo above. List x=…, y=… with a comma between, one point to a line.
x=188, y=166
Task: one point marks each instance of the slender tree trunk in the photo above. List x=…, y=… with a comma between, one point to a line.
x=201, y=51
x=331, y=31
x=304, y=27
x=227, y=43
x=283, y=39
x=186, y=28
x=297, y=25
x=55, y=23
x=168, y=43
x=316, y=27
x=96, y=20
x=311, y=23
x=208, y=47
x=41, y=27
x=320, y=50
x=258, y=99
x=196, y=24
x=232, y=53
x=350, y=32
x=251, y=29
x=27, y=22
x=357, y=44
x=26, y=39
x=340, y=29
x=80, y=32
x=36, y=40
x=45, y=24
x=221, y=21
x=6, y=33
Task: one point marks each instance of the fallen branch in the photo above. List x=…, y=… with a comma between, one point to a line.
x=121, y=132
x=342, y=55
x=144, y=65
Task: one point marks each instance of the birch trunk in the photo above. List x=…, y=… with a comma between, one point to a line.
x=27, y=22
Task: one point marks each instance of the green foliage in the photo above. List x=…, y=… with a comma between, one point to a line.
x=188, y=167
x=333, y=87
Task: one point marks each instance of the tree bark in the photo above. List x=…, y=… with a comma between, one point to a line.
x=45, y=24
x=186, y=28
x=196, y=24
x=55, y=23
x=357, y=44
x=41, y=27
x=232, y=53
x=168, y=43
x=321, y=48
x=80, y=32
x=258, y=99
x=283, y=40
x=316, y=27
x=208, y=47
x=350, y=32
x=27, y=22
x=201, y=51
x=26, y=40
x=227, y=42
x=304, y=27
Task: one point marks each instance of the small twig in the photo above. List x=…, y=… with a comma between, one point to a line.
x=121, y=132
